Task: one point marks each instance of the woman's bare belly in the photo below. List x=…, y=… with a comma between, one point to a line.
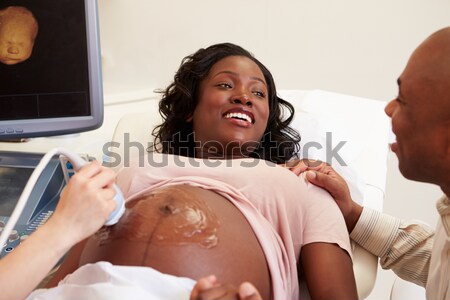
x=184, y=231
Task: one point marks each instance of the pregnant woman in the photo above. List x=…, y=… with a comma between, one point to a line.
x=211, y=198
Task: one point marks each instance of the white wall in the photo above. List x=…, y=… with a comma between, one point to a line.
x=349, y=46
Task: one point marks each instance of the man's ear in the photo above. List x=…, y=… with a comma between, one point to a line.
x=190, y=118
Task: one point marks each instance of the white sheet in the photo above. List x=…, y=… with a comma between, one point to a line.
x=104, y=281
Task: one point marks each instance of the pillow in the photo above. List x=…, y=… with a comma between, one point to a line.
x=350, y=133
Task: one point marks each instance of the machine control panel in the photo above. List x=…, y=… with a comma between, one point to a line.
x=15, y=170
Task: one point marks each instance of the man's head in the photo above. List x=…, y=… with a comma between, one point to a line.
x=18, y=30
x=421, y=112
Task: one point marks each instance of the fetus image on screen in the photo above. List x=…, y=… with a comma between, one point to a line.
x=18, y=30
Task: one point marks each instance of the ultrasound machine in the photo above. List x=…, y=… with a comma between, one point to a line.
x=57, y=90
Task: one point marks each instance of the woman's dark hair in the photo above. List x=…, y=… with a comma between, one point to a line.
x=279, y=143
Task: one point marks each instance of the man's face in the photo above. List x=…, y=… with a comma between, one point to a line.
x=16, y=40
x=417, y=118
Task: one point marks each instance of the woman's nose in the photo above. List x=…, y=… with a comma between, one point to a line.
x=242, y=99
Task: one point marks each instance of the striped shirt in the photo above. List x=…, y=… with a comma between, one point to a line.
x=406, y=247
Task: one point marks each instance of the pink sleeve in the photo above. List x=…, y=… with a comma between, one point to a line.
x=323, y=221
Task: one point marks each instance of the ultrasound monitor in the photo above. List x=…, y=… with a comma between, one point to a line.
x=50, y=68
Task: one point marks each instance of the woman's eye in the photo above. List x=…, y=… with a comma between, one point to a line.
x=224, y=85
x=259, y=94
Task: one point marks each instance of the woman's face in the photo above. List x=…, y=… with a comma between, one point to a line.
x=232, y=109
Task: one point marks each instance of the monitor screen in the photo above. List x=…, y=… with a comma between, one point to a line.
x=49, y=68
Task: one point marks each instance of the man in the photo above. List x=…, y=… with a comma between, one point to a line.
x=421, y=122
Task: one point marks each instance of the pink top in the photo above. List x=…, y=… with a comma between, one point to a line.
x=285, y=211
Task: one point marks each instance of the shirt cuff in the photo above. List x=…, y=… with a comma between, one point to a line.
x=375, y=231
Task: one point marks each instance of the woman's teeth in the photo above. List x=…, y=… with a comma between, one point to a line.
x=239, y=116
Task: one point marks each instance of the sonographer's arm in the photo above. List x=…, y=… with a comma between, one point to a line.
x=84, y=207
